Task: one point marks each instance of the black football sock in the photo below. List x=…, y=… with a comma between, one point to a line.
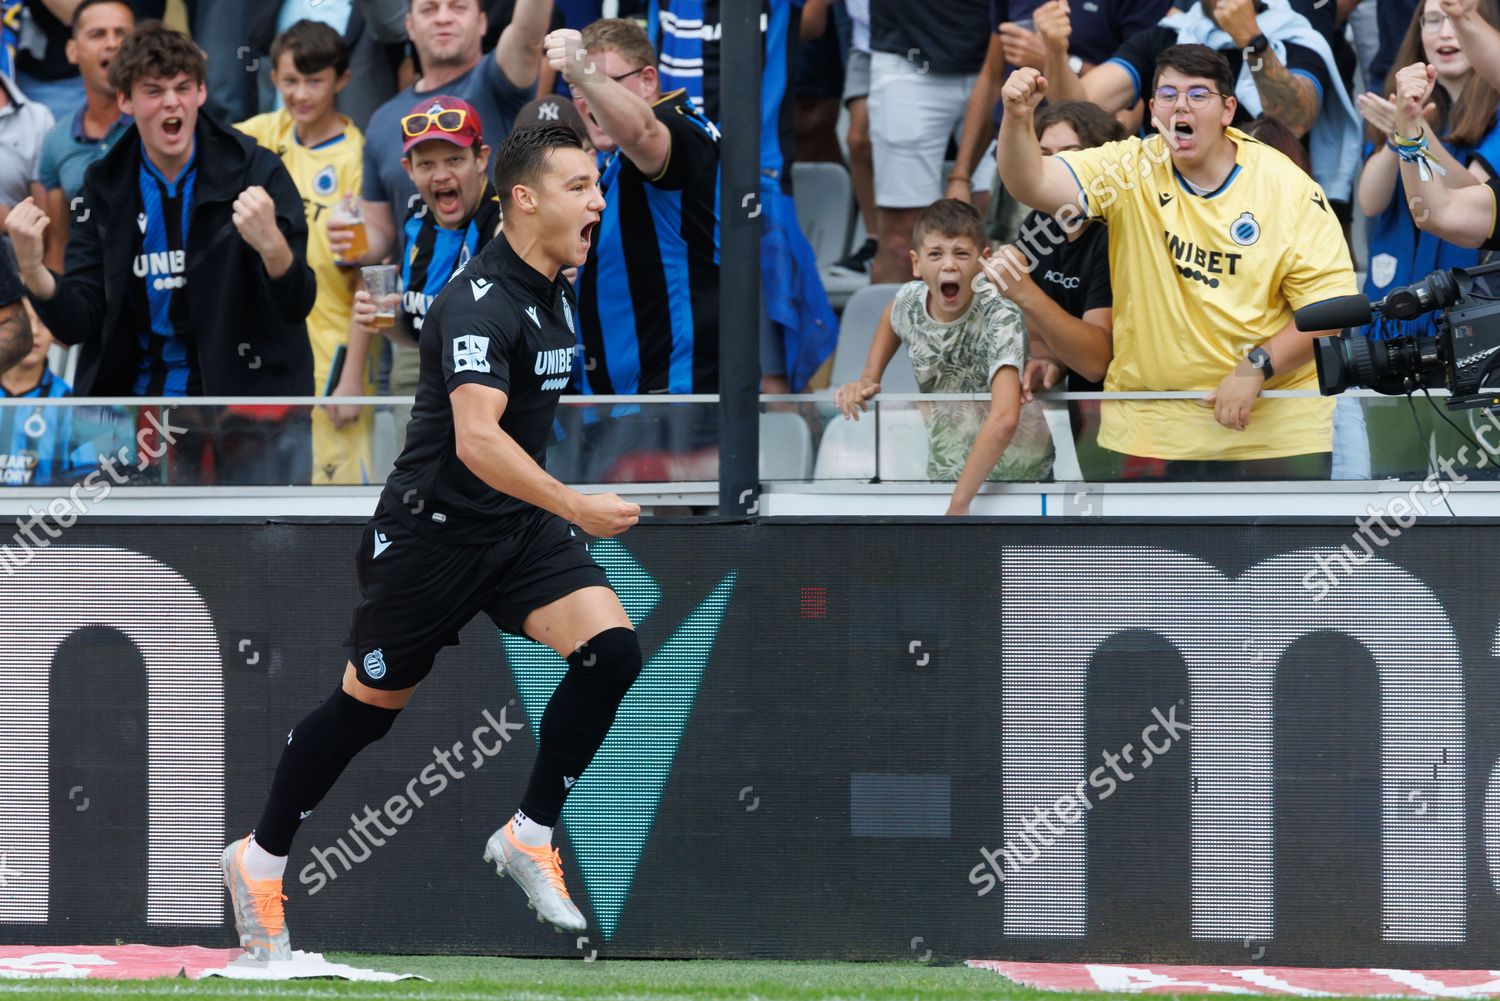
x=578, y=717
x=317, y=751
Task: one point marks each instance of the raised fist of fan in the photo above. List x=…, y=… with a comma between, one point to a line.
x=1023, y=91
x=1414, y=85
x=26, y=223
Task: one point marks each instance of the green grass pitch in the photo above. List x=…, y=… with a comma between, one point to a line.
x=478, y=978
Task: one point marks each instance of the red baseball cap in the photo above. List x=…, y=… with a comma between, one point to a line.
x=447, y=118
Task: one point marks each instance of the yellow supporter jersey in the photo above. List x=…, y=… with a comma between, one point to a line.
x=324, y=175
x=1198, y=280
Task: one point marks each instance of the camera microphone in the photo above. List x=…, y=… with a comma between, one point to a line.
x=1335, y=314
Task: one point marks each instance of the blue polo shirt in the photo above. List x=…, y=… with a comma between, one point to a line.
x=67, y=153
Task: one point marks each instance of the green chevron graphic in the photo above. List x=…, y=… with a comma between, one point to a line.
x=610, y=812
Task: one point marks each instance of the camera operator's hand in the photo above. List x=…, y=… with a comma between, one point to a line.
x=1414, y=85
x=1235, y=396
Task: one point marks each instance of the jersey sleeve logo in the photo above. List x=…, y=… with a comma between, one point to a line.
x=471, y=353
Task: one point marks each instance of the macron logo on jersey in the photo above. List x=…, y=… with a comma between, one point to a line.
x=531, y=312
x=471, y=353
x=381, y=544
x=479, y=285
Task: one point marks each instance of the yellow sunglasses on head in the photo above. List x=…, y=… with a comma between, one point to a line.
x=447, y=120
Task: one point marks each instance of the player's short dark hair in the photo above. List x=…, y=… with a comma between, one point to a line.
x=522, y=157
x=86, y=4
x=1094, y=125
x=951, y=218
x=155, y=52
x=1199, y=61
x=314, y=47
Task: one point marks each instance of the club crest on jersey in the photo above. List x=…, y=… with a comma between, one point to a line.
x=1382, y=270
x=568, y=315
x=326, y=181
x=1244, y=230
x=471, y=353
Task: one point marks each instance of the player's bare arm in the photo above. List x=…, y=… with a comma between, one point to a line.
x=1043, y=182
x=494, y=457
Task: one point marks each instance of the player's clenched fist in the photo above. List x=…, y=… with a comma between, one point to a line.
x=606, y=515
x=26, y=224
x=566, y=55
x=1414, y=85
x=1023, y=91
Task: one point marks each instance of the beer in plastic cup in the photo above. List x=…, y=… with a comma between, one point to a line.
x=381, y=282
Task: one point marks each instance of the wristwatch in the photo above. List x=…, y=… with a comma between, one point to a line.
x=1261, y=359
x=1258, y=44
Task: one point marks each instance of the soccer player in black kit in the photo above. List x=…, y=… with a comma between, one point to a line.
x=470, y=522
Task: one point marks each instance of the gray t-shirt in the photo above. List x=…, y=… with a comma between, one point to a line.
x=485, y=86
x=962, y=356
x=23, y=125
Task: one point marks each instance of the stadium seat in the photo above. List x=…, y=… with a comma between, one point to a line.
x=857, y=331
x=825, y=199
x=847, y=451
x=785, y=447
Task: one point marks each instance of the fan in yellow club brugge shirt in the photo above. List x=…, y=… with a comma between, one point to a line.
x=323, y=151
x=1214, y=241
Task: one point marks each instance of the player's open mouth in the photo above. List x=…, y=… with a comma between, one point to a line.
x=172, y=127
x=448, y=200
x=586, y=236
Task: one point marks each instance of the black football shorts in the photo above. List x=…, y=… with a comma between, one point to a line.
x=415, y=594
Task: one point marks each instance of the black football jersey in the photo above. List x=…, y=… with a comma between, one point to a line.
x=499, y=323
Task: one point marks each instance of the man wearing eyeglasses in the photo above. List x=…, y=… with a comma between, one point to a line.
x=1214, y=240
x=447, y=36
x=1280, y=66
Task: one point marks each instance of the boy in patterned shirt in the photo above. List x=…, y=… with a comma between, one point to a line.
x=959, y=341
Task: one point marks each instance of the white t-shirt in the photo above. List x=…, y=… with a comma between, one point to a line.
x=859, y=13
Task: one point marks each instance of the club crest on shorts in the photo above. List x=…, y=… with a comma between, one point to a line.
x=1244, y=230
x=375, y=664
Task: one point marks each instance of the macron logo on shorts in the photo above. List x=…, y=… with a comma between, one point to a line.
x=471, y=353
x=381, y=545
